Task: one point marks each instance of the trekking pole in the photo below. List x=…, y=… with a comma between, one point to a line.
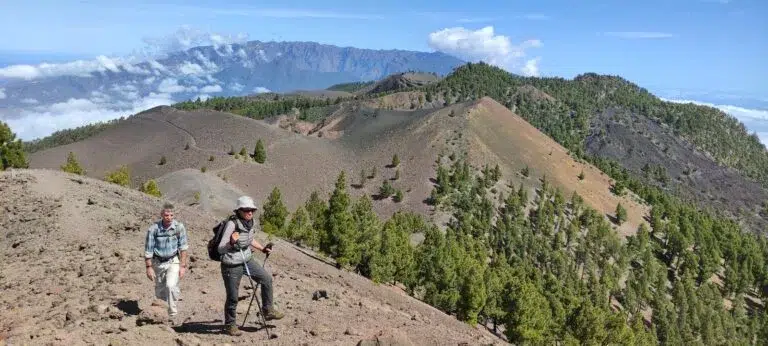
x=254, y=286
x=268, y=246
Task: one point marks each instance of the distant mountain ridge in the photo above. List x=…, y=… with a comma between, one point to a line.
x=228, y=70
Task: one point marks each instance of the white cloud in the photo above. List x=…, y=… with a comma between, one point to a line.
x=172, y=86
x=189, y=68
x=29, y=101
x=44, y=120
x=755, y=120
x=82, y=68
x=763, y=137
x=484, y=45
x=128, y=91
x=260, y=90
x=2, y=93
x=211, y=89
x=149, y=80
x=738, y=112
x=531, y=67
x=237, y=87
x=185, y=38
x=639, y=35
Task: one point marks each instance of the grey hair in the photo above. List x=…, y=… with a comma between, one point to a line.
x=168, y=206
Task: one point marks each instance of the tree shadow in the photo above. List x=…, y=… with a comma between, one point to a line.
x=129, y=307
x=378, y=197
x=216, y=327
x=613, y=219
x=357, y=186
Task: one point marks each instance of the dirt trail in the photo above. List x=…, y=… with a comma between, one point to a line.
x=72, y=274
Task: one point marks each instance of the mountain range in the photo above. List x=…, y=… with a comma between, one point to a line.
x=216, y=70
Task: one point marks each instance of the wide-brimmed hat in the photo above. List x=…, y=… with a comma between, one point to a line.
x=245, y=202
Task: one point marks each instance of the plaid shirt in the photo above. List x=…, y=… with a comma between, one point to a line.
x=165, y=242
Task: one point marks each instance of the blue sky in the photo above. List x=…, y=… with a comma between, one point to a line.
x=703, y=50
x=677, y=44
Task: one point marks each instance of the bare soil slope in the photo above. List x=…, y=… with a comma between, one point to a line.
x=359, y=136
x=192, y=187
x=499, y=135
x=72, y=274
x=635, y=140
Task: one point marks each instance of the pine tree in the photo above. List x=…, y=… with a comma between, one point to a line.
x=260, y=153
x=316, y=210
x=367, y=226
x=472, y=291
x=11, y=149
x=363, y=177
x=395, y=160
x=530, y=317
x=72, y=166
x=150, y=188
x=272, y=219
x=397, y=175
x=621, y=214
x=339, y=240
x=398, y=196
x=386, y=189
x=300, y=226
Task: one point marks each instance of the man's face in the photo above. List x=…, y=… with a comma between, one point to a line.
x=167, y=216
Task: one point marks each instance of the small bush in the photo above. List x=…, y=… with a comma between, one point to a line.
x=203, y=169
x=398, y=196
x=72, y=166
x=163, y=160
x=395, y=160
x=210, y=158
x=186, y=147
x=150, y=188
x=120, y=177
x=581, y=175
x=386, y=189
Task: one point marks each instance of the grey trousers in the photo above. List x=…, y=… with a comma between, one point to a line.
x=232, y=274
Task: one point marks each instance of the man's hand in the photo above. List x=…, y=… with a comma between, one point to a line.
x=182, y=270
x=233, y=239
x=150, y=274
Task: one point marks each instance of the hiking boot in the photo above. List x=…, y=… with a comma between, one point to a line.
x=272, y=314
x=232, y=330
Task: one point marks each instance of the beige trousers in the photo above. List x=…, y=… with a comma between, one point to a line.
x=167, y=283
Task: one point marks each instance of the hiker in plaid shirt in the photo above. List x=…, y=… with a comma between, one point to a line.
x=165, y=256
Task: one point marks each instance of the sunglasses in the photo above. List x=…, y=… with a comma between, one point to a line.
x=248, y=210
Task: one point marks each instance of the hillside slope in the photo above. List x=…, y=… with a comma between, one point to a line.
x=359, y=136
x=86, y=283
x=502, y=136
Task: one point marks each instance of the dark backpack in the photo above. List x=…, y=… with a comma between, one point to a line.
x=218, y=231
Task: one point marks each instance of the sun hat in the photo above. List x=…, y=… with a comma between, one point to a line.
x=245, y=202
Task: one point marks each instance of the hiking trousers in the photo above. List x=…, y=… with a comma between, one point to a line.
x=167, y=282
x=232, y=274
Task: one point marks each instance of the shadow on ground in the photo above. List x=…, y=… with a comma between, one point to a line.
x=214, y=327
